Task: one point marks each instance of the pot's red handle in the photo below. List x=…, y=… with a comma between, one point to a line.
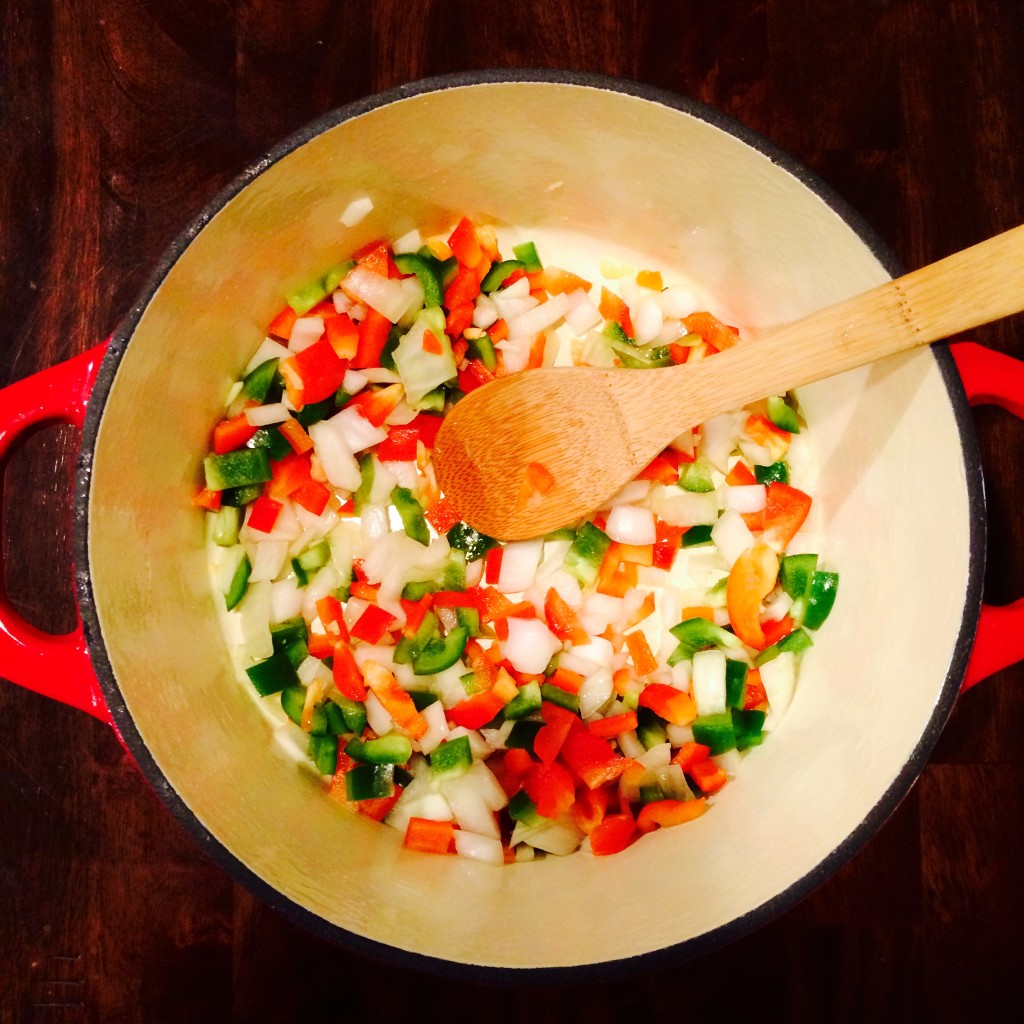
x=56, y=666
x=992, y=378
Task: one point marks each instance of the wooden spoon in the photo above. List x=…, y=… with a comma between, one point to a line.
x=536, y=450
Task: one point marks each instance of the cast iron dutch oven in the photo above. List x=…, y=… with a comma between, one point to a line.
x=568, y=157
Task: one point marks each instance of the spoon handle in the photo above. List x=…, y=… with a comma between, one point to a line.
x=969, y=288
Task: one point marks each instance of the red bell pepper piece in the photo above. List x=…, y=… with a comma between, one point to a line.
x=342, y=334
x=740, y=475
x=414, y=613
x=754, y=696
x=660, y=469
x=232, y=433
x=288, y=474
x=666, y=544
x=590, y=807
x=775, y=629
x=429, y=836
x=607, y=728
x=372, y=624
x=785, y=510
x=711, y=330
x=374, y=329
x=667, y=702
x=551, y=788
x=347, y=677
x=442, y=516
x=377, y=404
x=492, y=565
x=708, y=776
x=591, y=758
x=613, y=308
x=313, y=496
x=476, y=711
x=690, y=753
x=561, y=619
x=263, y=514
x=317, y=369
x=282, y=324
x=464, y=244
x=551, y=736
x=613, y=834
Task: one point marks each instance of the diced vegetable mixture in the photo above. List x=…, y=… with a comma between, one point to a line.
x=503, y=701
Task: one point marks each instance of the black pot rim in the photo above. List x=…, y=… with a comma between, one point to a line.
x=674, y=954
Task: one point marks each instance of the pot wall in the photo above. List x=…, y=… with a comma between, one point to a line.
x=893, y=515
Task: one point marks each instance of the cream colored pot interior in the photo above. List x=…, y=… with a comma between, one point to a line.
x=566, y=163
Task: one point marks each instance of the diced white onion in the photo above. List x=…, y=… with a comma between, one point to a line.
x=519, y=561
x=708, y=683
x=285, y=600
x=540, y=318
x=599, y=653
x=411, y=241
x=356, y=211
x=630, y=524
x=647, y=321
x=778, y=677
x=267, y=559
x=359, y=433
x=269, y=349
x=684, y=508
x=485, y=312
x=437, y=727
x=306, y=331
x=530, y=645
x=596, y=691
x=377, y=718
x=384, y=294
x=779, y=607
x=481, y=848
x=336, y=457
x=745, y=497
x=354, y=381
x=719, y=437
x=600, y=611
x=262, y=415
x=731, y=536
x=582, y=314
x=374, y=523
x=677, y=301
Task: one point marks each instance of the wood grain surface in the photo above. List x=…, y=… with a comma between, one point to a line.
x=119, y=119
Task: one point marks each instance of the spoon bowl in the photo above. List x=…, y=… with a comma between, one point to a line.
x=540, y=449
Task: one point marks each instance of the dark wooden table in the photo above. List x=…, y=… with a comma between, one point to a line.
x=118, y=121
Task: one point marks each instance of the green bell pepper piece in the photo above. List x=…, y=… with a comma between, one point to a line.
x=239, y=468
x=451, y=756
x=715, y=732
x=426, y=270
x=370, y=781
x=411, y=513
x=526, y=253
x=820, y=598
x=440, y=653
x=257, y=382
x=777, y=472
x=391, y=748
x=272, y=674
x=586, y=553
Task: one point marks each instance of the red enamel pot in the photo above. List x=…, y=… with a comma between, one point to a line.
x=621, y=167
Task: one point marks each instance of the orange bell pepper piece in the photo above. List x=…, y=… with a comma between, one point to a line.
x=664, y=813
x=751, y=579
